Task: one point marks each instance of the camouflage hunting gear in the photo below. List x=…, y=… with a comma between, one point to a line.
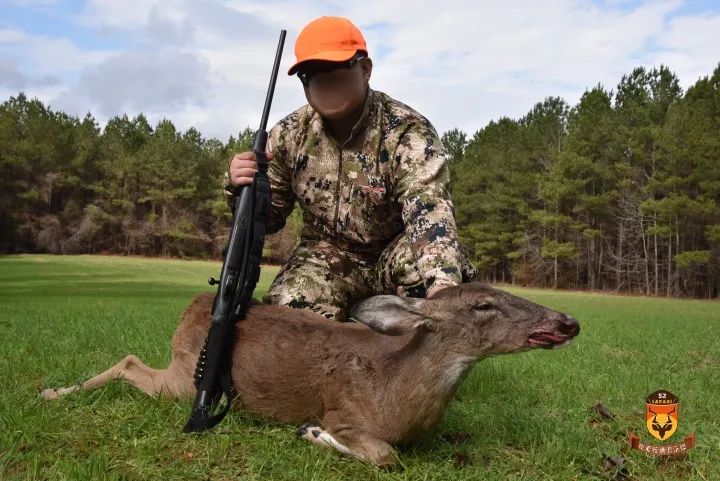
x=382, y=192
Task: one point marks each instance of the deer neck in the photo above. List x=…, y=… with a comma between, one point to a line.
x=431, y=368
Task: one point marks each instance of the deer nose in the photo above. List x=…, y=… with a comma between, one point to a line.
x=569, y=326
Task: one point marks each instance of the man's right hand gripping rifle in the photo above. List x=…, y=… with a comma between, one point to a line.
x=243, y=167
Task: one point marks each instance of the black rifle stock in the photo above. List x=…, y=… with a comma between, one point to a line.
x=239, y=275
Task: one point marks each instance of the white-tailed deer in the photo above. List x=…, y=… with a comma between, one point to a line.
x=357, y=387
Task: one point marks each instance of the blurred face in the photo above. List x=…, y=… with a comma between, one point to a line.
x=335, y=89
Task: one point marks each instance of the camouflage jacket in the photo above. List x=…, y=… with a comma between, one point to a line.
x=389, y=176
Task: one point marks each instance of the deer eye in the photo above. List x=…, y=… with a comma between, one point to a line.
x=484, y=306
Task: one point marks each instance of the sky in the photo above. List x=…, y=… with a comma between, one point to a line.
x=206, y=64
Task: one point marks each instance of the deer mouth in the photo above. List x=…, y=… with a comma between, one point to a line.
x=548, y=340
x=560, y=333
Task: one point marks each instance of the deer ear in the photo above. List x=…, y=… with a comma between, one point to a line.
x=391, y=315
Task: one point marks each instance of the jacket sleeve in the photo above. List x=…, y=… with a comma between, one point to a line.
x=421, y=188
x=280, y=176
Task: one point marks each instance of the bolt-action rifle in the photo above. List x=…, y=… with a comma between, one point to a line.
x=239, y=275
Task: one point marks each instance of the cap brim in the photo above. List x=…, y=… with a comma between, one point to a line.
x=328, y=55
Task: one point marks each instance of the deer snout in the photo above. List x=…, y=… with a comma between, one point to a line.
x=557, y=331
x=569, y=326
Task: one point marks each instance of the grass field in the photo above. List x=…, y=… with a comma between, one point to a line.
x=523, y=417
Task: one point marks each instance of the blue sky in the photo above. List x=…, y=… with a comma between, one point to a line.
x=206, y=63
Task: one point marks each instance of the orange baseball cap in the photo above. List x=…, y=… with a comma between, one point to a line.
x=335, y=39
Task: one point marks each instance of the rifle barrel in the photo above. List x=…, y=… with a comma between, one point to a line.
x=273, y=80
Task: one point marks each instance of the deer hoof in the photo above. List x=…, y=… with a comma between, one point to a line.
x=308, y=428
x=49, y=394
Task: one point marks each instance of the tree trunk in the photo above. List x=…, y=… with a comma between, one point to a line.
x=669, y=267
x=657, y=267
x=591, y=263
x=578, y=240
x=618, y=263
x=599, y=264
x=645, y=260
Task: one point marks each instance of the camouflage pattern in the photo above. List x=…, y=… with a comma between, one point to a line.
x=377, y=212
x=328, y=280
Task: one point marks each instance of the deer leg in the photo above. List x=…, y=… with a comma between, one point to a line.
x=132, y=370
x=351, y=442
x=319, y=437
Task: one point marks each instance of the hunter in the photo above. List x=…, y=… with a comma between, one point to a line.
x=370, y=177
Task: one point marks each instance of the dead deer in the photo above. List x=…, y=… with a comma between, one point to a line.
x=357, y=387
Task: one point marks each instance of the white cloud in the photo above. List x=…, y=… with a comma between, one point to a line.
x=45, y=55
x=33, y=3
x=121, y=15
x=690, y=47
x=461, y=63
x=153, y=82
x=9, y=36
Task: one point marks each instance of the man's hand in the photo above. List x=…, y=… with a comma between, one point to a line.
x=243, y=167
x=434, y=290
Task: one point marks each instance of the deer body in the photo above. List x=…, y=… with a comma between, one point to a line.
x=294, y=366
x=358, y=387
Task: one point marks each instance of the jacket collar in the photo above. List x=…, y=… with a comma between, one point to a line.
x=363, y=121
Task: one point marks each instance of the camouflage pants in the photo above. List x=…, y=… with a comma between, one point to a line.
x=325, y=279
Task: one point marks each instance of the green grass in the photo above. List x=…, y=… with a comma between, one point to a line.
x=64, y=319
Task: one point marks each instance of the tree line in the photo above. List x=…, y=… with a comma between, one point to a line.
x=619, y=192
x=68, y=187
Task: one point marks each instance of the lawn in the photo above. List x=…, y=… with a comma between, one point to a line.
x=66, y=318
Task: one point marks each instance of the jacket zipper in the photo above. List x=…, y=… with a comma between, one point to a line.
x=337, y=191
